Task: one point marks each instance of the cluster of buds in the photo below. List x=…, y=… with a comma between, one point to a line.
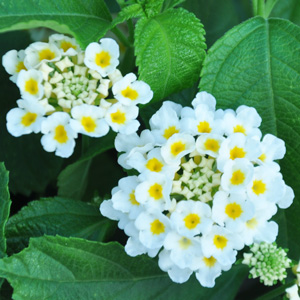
x=206, y=185
x=65, y=91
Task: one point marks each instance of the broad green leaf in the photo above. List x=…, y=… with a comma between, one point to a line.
x=31, y=167
x=4, y=207
x=169, y=51
x=55, y=216
x=128, y=12
x=219, y=16
x=87, y=22
x=287, y=9
x=258, y=64
x=73, y=180
x=70, y=268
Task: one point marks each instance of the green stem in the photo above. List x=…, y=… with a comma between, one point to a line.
x=131, y=31
x=269, y=7
x=261, y=8
x=276, y=292
x=254, y=5
x=121, y=37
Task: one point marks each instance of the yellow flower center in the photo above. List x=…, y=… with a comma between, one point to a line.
x=209, y=261
x=220, y=241
x=204, y=127
x=252, y=223
x=132, y=198
x=233, y=210
x=20, y=66
x=258, y=187
x=184, y=243
x=46, y=54
x=155, y=191
x=191, y=221
x=157, y=227
x=237, y=152
x=212, y=145
x=130, y=93
x=31, y=86
x=28, y=119
x=66, y=46
x=60, y=134
x=118, y=117
x=88, y=124
x=170, y=131
x=154, y=165
x=237, y=178
x=239, y=128
x=263, y=157
x=177, y=148
x=102, y=59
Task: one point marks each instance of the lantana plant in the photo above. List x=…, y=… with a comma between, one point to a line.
x=169, y=166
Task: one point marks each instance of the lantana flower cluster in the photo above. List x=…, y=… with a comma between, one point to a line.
x=206, y=184
x=66, y=91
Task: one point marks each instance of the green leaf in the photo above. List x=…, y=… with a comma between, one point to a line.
x=69, y=268
x=87, y=22
x=73, y=180
x=287, y=9
x=171, y=3
x=4, y=207
x=258, y=64
x=152, y=7
x=169, y=50
x=55, y=216
x=31, y=167
x=128, y=12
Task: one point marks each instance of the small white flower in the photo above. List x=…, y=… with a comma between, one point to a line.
x=39, y=52
x=103, y=57
x=287, y=199
x=25, y=119
x=30, y=84
x=88, y=120
x=58, y=134
x=67, y=45
x=13, y=62
x=292, y=292
x=209, y=144
x=130, y=91
x=122, y=118
x=206, y=99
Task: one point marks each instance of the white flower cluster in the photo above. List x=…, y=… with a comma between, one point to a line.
x=205, y=186
x=268, y=262
x=63, y=92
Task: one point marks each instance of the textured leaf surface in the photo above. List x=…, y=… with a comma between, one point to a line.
x=55, y=216
x=86, y=21
x=69, y=268
x=169, y=49
x=258, y=64
x=128, y=12
x=4, y=207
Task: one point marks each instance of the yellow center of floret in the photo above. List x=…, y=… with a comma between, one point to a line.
x=102, y=59
x=155, y=191
x=177, y=148
x=170, y=131
x=258, y=187
x=20, y=66
x=209, y=261
x=184, y=243
x=237, y=152
x=28, y=119
x=220, y=241
x=46, y=54
x=66, y=46
x=132, y=198
x=212, y=145
x=157, y=227
x=130, y=93
x=237, y=178
x=233, y=210
x=88, y=124
x=263, y=157
x=31, y=86
x=154, y=165
x=191, y=221
x=204, y=127
x=252, y=223
x=118, y=117
x=61, y=135
x=239, y=128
